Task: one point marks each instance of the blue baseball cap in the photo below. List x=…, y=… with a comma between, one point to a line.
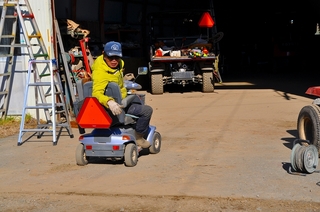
x=113, y=48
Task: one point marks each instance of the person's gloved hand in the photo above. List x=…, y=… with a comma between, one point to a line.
x=114, y=107
x=129, y=76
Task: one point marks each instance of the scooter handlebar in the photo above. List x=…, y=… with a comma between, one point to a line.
x=132, y=85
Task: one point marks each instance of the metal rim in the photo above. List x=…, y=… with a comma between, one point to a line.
x=304, y=157
x=293, y=156
x=310, y=158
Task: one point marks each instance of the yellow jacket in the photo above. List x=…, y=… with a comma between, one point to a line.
x=102, y=74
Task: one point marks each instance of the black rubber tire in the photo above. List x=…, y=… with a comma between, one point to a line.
x=156, y=83
x=308, y=125
x=130, y=155
x=81, y=158
x=207, y=82
x=156, y=144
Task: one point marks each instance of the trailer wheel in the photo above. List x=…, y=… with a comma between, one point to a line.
x=156, y=144
x=81, y=158
x=304, y=157
x=156, y=83
x=130, y=155
x=207, y=82
x=309, y=125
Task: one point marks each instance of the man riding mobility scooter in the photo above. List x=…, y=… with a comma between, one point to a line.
x=112, y=137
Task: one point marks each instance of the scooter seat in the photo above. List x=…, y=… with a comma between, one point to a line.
x=113, y=90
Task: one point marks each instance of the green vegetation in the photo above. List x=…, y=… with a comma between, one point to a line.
x=11, y=125
x=9, y=120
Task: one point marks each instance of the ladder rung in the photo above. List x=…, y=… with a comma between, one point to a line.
x=40, y=55
x=66, y=125
x=10, y=16
x=14, y=45
x=6, y=55
x=56, y=93
x=8, y=36
x=39, y=61
x=44, y=106
x=5, y=74
x=4, y=92
x=50, y=125
x=11, y=4
x=45, y=75
x=60, y=111
x=36, y=130
x=42, y=84
x=28, y=16
x=45, y=128
x=39, y=107
x=34, y=36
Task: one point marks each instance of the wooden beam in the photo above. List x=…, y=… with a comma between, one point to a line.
x=74, y=10
x=124, y=12
x=144, y=28
x=101, y=19
x=54, y=34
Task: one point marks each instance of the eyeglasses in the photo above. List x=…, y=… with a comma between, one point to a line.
x=113, y=58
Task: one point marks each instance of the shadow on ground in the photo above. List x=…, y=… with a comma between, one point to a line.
x=285, y=82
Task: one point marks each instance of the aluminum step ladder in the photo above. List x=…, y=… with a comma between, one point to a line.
x=14, y=12
x=57, y=105
x=7, y=47
x=40, y=66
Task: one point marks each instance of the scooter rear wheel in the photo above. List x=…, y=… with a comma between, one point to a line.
x=130, y=155
x=81, y=157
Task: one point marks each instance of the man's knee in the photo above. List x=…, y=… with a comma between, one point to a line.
x=148, y=110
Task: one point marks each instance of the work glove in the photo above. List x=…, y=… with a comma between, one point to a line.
x=129, y=77
x=114, y=107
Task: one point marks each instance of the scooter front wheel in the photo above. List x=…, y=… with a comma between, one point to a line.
x=156, y=144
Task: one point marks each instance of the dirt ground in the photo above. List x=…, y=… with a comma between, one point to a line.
x=222, y=151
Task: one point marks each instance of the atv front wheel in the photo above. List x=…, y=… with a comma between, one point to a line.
x=207, y=82
x=156, y=83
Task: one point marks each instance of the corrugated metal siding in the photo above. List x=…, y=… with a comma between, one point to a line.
x=43, y=15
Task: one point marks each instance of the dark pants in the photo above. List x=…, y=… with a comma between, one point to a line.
x=144, y=113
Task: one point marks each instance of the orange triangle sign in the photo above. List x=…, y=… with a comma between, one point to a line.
x=206, y=20
x=93, y=115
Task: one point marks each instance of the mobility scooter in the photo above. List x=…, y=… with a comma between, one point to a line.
x=112, y=137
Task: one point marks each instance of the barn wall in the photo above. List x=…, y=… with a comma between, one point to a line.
x=42, y=11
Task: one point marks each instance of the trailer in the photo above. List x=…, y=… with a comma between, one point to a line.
x=181, y=70
x=306, y=148
x=183, y=49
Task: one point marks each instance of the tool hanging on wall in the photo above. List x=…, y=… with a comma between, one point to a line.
x=65, y=63
x=40, y=66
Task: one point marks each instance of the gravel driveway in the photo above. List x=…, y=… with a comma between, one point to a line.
x=222, y=151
